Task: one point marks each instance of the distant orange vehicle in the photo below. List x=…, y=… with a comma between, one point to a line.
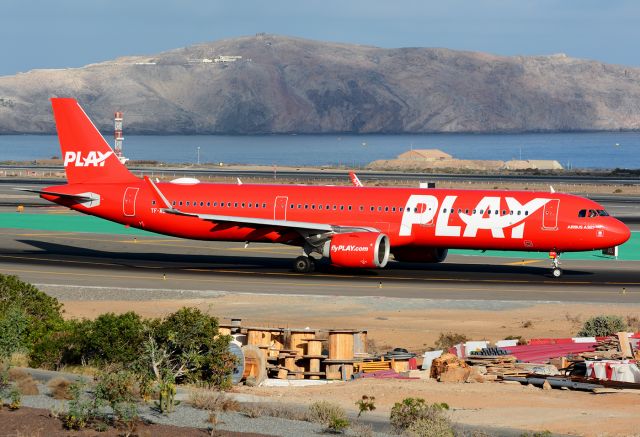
x=351, y=227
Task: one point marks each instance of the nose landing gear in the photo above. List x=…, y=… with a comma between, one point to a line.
x=556, y=271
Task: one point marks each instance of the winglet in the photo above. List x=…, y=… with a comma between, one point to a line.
x=354, y=180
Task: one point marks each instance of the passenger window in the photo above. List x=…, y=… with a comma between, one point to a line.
x=228, y=204
x=481, y=211
x=361, y=208
x=386, y=209
x=393, y=209
x=153, y=202
x=174, y=203
x=291, y=206
x=341, y=207
x=235, y=204
x=319, y=206
x=242, y=204
x=249, y=204
x=313, y=206
x=264, y=205
x=466, y=211
x=526, y=213
x=188, y=203
x=504, y=212
x=335, y=207
x=181, y=203
x=349, y=207
x=306, y=206
x=519, y=212
x=201, y=203
x=373, y=208
x=379, y=208
x=208, y=203
x=475, y=211
x=444, y=211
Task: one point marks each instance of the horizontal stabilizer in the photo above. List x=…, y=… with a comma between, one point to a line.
x=78, y=197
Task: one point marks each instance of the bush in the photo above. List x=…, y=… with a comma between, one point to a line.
x=450, y=339
x=60, y=388
x=330, y=415
x=410, y=410
x=114, y=339
x=602, y=326
x=42, y=312
x=115, y=388
x=437, y=426
x=13, y=329
x=189, y=340
x=64, y=345
x=213, y=401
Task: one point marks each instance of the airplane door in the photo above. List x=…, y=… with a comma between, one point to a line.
x=550, y=215
x=129, y=201
x=280, y=208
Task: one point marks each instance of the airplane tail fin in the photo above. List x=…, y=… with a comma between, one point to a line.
x=87, y=156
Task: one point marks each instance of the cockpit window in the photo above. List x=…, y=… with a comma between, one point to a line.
x=592, y=213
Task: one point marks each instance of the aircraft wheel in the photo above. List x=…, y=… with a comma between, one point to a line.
x=303, y=264
x=556, y=272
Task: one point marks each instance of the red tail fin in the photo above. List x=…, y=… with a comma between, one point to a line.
x=87, y=156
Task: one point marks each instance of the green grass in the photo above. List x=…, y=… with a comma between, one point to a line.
x=84, y=223
x=65, y=223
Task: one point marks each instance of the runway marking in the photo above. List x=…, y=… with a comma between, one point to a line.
x=178, y=279
x=68, y=261
x=43, y=234
x=523, y=262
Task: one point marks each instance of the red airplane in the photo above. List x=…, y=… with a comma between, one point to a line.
x=352, y=227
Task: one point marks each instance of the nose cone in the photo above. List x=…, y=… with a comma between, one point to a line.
x=618, y=232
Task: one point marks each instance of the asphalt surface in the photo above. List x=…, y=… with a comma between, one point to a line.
x=162, y=263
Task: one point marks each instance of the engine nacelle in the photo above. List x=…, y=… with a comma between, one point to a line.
x=420, y=254
x=358, y=250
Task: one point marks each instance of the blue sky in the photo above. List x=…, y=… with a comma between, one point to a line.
x=71, y=33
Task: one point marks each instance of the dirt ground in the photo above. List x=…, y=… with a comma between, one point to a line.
x=411, y=324
x=37, y=422
x=414, y=324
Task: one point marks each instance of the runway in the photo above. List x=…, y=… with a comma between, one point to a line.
x=163, y=263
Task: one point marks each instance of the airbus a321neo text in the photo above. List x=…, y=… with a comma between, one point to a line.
x=351, y=227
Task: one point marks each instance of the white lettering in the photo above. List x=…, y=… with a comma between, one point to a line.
x=93, y=159
x=419, y=210
x=443, y=229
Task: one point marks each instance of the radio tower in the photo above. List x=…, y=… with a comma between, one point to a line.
x=117, y=135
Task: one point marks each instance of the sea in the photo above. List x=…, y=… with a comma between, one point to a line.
x=594, y=150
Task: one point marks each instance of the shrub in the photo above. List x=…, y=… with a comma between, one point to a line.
x=59, y=347
x=328, y=414
x=28, y=387
x=42, y=312
x=367, y=403
x=115, y=388
x=15, y=399
x=114, y=338
x=13, y=329
x=410, y=410
x=213, y=401
x=60, y=388
x=437, y=426
x=186, y=346
x=81, y=409
x=602, y=326
x=450, y=339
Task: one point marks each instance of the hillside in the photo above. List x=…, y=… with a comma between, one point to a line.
x=285, y=85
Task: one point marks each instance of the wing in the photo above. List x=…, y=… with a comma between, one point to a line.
x=305, y=228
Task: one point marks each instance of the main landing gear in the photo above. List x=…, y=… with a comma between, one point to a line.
x=304, y=264
x=556, y=271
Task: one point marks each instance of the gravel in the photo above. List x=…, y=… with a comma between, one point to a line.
x=186, y=416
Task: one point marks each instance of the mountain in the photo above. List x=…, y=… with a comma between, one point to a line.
x=276, y=84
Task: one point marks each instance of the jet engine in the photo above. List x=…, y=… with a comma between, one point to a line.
x=358, y=250
x=420, y=254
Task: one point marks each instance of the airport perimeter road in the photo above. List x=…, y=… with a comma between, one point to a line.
x=158, y=263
